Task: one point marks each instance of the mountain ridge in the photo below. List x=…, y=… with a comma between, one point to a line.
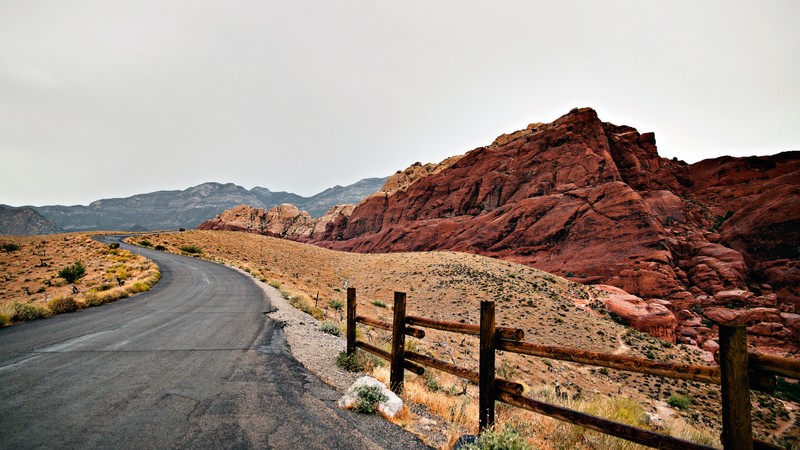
x=171, y=209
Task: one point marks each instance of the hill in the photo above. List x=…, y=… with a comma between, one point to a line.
x=594, y=202
x=24, y=221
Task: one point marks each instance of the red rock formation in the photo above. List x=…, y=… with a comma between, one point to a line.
x=594, y=201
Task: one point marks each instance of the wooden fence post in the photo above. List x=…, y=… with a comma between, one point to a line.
x=351, y=320
x=396, y=375
x=737, y=427
x=486, y=395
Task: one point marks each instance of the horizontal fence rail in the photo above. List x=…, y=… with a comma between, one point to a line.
x=739, y=372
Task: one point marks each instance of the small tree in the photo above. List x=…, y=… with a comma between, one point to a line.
x=74, y=272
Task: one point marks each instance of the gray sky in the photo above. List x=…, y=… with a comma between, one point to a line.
x=102, y=98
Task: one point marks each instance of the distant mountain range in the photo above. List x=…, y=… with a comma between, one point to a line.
x=165, y=210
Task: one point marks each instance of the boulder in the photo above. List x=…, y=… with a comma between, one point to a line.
x=653, y=317
x=389, y=408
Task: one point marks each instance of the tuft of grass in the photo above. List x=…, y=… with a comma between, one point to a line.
x=137, y=287
x=4, y=319
x=379, y=304
x=330, y=327
x=24, y=312
x=368, y=399
x=300, y=302
x=336, y=304
x=73, y=272
x=191, y=249
x=60, y=305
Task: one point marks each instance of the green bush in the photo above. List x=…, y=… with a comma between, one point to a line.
x=10, y=247
x=161, y=248
x=24, y=312
x=330, y=328
x=4, y=319
x=368, y=399
x=679, y=401
x=350, y=363
x=191, y=249
x=145, y=243
x=509, y=437
x=113, y=245
x=379, y=304
x=61, y=305
x=73, y=273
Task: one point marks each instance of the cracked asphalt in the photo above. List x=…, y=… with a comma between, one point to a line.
x=193, y=363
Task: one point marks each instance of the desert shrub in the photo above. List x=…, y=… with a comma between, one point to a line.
x=368, y=398
x=679, y=401
x=24, y=312
x=509, y=437
x=73, y=272
x=10, y=247
x=161, y=248
x=191, y=249
x=145, y=243
x=101, y=287
x=330, y=328
x=350, y=363
x=113, y=245
x=4, y=319
x=336, y=304
x=299, y=301
x=379, y=304
x=275, y=283
x=788, y=391
x=137, y=287
x=61, y=305
x=93, y=299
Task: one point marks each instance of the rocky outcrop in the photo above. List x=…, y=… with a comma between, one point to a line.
x=651, y=317
x=594, y=202
x=283, y=221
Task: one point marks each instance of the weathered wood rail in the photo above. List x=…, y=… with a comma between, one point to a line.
x=739, y=372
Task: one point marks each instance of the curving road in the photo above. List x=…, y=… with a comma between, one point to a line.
x=193, y=363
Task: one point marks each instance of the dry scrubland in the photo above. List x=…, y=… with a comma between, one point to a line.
x=449, y=286
x=31, y=288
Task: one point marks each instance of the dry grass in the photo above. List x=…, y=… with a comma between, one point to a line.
x=29, y=276
x=449, y=286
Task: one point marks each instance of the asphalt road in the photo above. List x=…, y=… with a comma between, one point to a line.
x=193, y=363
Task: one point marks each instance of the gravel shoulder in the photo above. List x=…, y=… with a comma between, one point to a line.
x=317, y=352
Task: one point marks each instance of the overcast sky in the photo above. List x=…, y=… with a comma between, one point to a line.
x=102, y=98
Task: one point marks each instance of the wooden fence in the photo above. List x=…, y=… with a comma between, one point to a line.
x=739, y=372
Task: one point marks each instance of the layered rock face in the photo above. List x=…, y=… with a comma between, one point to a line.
x=594, y=202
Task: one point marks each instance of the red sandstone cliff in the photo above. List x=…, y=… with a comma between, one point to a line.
x=594, y=201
